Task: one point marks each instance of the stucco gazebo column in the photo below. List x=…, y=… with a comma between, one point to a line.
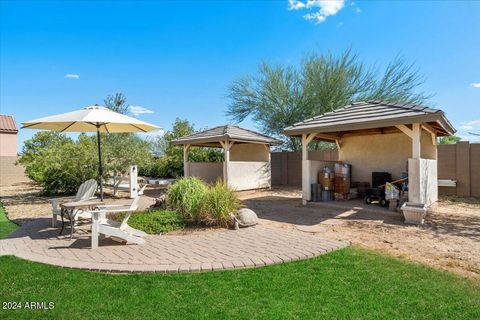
x=226, y=148
x=186, y=168
x=306, y=179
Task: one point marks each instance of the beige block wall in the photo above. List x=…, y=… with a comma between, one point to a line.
x=209, y=172
x=249, y=152
x=8, y=145
x=382, y=152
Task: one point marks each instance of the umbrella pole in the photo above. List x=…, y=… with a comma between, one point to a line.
x=100, y=167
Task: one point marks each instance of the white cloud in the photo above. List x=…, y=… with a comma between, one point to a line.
x=152, y=135
x=326, y=8
x=138, y=110
x=475, y=124
x=72, y=76
x=470, y=130
x=476, y=85
x=295, y=5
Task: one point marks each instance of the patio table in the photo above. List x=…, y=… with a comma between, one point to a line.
x=72, y=208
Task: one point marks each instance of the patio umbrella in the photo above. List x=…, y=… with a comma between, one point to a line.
x=91, y=119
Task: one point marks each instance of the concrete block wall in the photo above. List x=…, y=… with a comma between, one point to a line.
x=460, y=162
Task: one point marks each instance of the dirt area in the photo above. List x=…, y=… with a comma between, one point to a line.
x=450, y=238
x=24, y=201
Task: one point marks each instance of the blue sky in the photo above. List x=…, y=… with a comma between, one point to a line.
x=177, y=59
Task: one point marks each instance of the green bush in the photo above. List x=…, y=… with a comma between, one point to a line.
x=187, y=196
x=220, y=202
x=60, y=165
x=200, y=203
x=155, y=221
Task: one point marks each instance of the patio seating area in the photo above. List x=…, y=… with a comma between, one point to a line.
x=221, y=249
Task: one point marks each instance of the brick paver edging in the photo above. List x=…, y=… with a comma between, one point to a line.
x=227, y=249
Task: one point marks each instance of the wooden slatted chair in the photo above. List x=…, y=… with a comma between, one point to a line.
x=85, y=192
x=118, y=231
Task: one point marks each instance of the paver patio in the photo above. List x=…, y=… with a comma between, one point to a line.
x=205, y=251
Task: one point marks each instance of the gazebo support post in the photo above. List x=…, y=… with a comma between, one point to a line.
x=186, y=168
x=226, y=148
x=415, y=134
x=306, y=139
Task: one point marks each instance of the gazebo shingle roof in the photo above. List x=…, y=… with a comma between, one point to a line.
x=211, y=137
x=371, y=115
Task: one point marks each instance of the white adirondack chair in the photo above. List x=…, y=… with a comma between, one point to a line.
x=118, y=231
x=86, y=192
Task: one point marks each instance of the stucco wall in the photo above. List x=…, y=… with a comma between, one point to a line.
x=422, y=181
x=249, y=152
x=382, y=152
x=209, y=172
x=10, y=172
x=8, y=145
x=247, y=175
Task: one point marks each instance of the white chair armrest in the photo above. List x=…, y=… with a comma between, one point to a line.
x=56, y=201
x=112, y=210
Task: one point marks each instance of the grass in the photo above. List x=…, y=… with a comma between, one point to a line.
x=6, y=226
x=347, y=284
x=156, y=221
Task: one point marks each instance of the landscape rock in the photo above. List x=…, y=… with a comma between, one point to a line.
x=245, y=218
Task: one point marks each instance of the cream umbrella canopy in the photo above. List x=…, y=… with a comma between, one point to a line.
x=91, y=119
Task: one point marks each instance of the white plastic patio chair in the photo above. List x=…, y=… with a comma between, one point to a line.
x=85, y=192
x=118, y=231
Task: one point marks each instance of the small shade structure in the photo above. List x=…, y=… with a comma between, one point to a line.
x=378, y=136
x=91, y=119
x=246, y=163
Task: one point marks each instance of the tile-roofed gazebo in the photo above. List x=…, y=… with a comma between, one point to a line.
x=212, y=137
x=379, y=136
x=246, y=156
x=373, y=115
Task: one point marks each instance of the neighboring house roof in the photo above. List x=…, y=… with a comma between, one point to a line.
x=211, y=137
x=7, y=124
x=372, y=115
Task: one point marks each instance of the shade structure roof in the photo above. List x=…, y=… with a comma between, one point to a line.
x=372, y=117
x=88, y=120
x=212, y=137
x=7, y=124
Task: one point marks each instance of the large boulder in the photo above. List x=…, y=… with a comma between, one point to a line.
x=245, y=218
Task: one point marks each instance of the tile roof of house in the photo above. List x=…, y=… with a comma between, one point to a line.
x=7, y=124
x=226, y=132
x=371, y=115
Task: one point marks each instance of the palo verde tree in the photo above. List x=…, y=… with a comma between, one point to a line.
x=277, y=96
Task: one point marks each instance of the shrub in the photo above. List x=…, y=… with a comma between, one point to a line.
x=200, y=203
x=187, y=196
x=156, y=221
x=220, y=202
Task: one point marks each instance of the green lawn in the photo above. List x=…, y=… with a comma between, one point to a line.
x=347, y=284
x=6, y=226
